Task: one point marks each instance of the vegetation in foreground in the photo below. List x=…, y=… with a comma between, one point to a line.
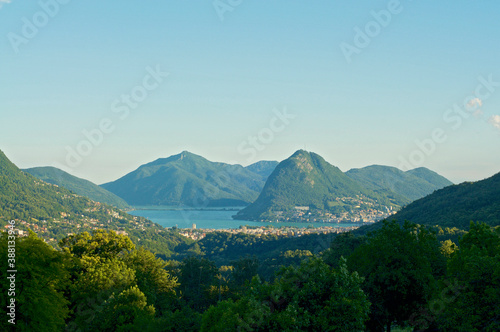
x=398, y=277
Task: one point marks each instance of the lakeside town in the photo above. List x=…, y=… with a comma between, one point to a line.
x=279, y=231
x=359, y=209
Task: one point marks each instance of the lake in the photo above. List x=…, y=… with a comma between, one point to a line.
x=211, y=218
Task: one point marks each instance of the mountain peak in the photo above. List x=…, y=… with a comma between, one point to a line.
x=184, y=155
x=306, y=179
x=301, y=153
x=7, y=168
x=188, y=179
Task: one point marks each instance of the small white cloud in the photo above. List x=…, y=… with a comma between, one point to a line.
x=473, y=104
x=495, y=121
x=2, y=2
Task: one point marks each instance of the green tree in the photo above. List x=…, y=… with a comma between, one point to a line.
x=40, y=282
x=398, y=265
x=97, y=280
x=343, y=245
x=125, y=312
x=475, y=267
x=244, y=270
x=310, y=297
x=153, y=280
x=247, y=314
x=198, y=282
x=105, y=244
x=448, y=248
x=98, y=273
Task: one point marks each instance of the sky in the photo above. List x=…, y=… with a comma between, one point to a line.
x=98, y=88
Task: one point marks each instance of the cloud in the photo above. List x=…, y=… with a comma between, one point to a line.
x=2, y=2
x=473, y=104
x=495, y=121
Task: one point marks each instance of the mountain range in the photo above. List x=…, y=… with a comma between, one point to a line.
x=77, y=185
x=405, y=186
x=457, y=205
x=189, y=180
x=268, y=189
x=52, y=210
x=307, y=181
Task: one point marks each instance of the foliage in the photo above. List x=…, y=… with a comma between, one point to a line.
x=53, y=211
x=400, y=265
x=122, y=312
x=163, y=242
x=457, y=205
x=224, y=248
x=198, y=283
x=475, y=267
x=244, y=270
x=114, y=286
x=104, y=244
x=152, y=279
x=343, y=245
x=309, y=297
x=40, y=281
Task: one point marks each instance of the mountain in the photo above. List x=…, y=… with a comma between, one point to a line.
x=264, y=168
x=406, y=186
x=306, y=182
x=431, y=177
x=77, y=185
x=53, y=211
x=457, y=205
x=190, y=180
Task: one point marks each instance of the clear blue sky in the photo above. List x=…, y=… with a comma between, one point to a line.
x=357, y=99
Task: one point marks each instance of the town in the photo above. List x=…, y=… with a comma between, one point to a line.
x=359, y=209
x=283, y=231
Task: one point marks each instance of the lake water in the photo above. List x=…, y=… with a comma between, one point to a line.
x=214, y=219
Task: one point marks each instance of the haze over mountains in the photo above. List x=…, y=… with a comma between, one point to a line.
x=266, y=187
x=307, y=181
x=79, y=186
x=457, y=205
x=408, y=186
x=52, y=210
x=190, y=180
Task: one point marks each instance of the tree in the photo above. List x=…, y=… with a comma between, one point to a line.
x=343, y=245
x=124, y=312
x=198, y=282
x=96, y=281
x=153, y=280
x=244, y=270
x=105, y=244
x=475, y=268
x=98, y=273
x=398, y=265
x=448, y=247
x=247, y=314
x=310, y=297
x=40, y=282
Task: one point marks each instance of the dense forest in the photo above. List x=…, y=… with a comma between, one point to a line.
x=79, y=186
x=398, y=277
x=455, y=206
